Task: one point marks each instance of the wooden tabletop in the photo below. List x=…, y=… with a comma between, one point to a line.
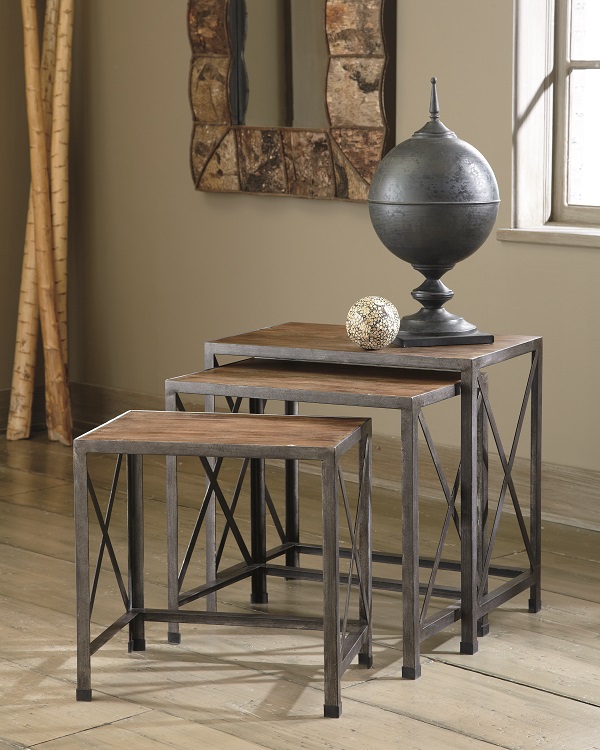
x=214, y=434
x=329, y=342
x=388, y=387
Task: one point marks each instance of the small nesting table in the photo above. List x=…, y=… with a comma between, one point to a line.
x=407, y=391
x=220, y=436
x=329, y=343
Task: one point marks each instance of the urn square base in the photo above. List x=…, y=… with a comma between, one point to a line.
x=406, y=339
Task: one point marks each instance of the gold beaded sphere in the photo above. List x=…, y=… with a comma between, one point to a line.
x=372, y=322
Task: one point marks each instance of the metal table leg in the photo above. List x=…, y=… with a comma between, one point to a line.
x=292, y=515
x=331, y=577
x=365, y=547
x=468, y=512
x=411, y=664
x=82, y=575
x=258, y=518
x=174, y=635
x=535, y=601
x=210, y=522
x=483, y=625
x=135, y=533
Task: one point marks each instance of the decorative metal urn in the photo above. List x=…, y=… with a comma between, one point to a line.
x=433, y=202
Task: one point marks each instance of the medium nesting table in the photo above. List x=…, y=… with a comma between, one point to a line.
x=328, y=343
x=221, y=436
x=407, y=391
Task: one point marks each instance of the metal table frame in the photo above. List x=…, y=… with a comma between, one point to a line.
x=329, y=343
x=292, y=383
x=218, y=436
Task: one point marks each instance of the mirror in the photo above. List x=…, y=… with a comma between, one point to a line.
x=268, y=120
x=286, y=59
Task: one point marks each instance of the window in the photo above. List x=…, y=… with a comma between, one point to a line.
x=576, y=174
x=556, y=168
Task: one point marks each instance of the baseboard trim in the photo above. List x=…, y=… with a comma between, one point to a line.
x=571, y=496
x=93, y=405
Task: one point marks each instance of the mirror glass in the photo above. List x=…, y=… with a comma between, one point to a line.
x=286, y=58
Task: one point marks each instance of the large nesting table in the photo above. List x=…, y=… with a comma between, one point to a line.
x=329, y=343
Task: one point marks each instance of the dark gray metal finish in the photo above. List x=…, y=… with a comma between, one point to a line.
x=344, y=638
x=258, y=519
x=135, y=547
x=535, y=600
x=411, y=627
x=82, y=578
x=483, y=626
x=468, y=511
x=434, y=233
x=471, y=336
x=292, y=498
x=304, y=385
x=172, y=546
x=325, y=343
x=433, y=202
x=210, y=524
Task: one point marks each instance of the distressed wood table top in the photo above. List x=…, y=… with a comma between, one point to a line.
x=210, y=434
x=330, y=342
x=314, y=381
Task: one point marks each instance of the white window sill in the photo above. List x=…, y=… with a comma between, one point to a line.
x=553, y=234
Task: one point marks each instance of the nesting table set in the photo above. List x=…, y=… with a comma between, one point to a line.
x=299, y=363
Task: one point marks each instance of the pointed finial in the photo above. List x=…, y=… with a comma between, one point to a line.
x=435, y=128
x=434, y=106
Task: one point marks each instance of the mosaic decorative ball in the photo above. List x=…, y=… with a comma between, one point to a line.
x=372, y=322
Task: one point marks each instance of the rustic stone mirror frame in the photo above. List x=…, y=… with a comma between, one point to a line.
x=337, y=162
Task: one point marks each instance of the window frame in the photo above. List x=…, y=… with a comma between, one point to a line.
x=562, y=211
x=534, y=133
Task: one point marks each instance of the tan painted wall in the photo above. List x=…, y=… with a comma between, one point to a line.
x=157, y=268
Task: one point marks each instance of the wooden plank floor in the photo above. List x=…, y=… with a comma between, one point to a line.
x=535, y=682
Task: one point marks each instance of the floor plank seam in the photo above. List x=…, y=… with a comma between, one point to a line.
x=432, y=723
x=256, y=742
x=573, y=557
x=61, y=483
x=571, y=596
x=8, y=501
x=516, y=682
x=87, y=729
x=506, y=555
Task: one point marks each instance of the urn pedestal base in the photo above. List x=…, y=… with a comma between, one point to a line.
x=433, y=325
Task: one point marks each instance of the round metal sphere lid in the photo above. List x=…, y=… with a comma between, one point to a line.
x=434, y=166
